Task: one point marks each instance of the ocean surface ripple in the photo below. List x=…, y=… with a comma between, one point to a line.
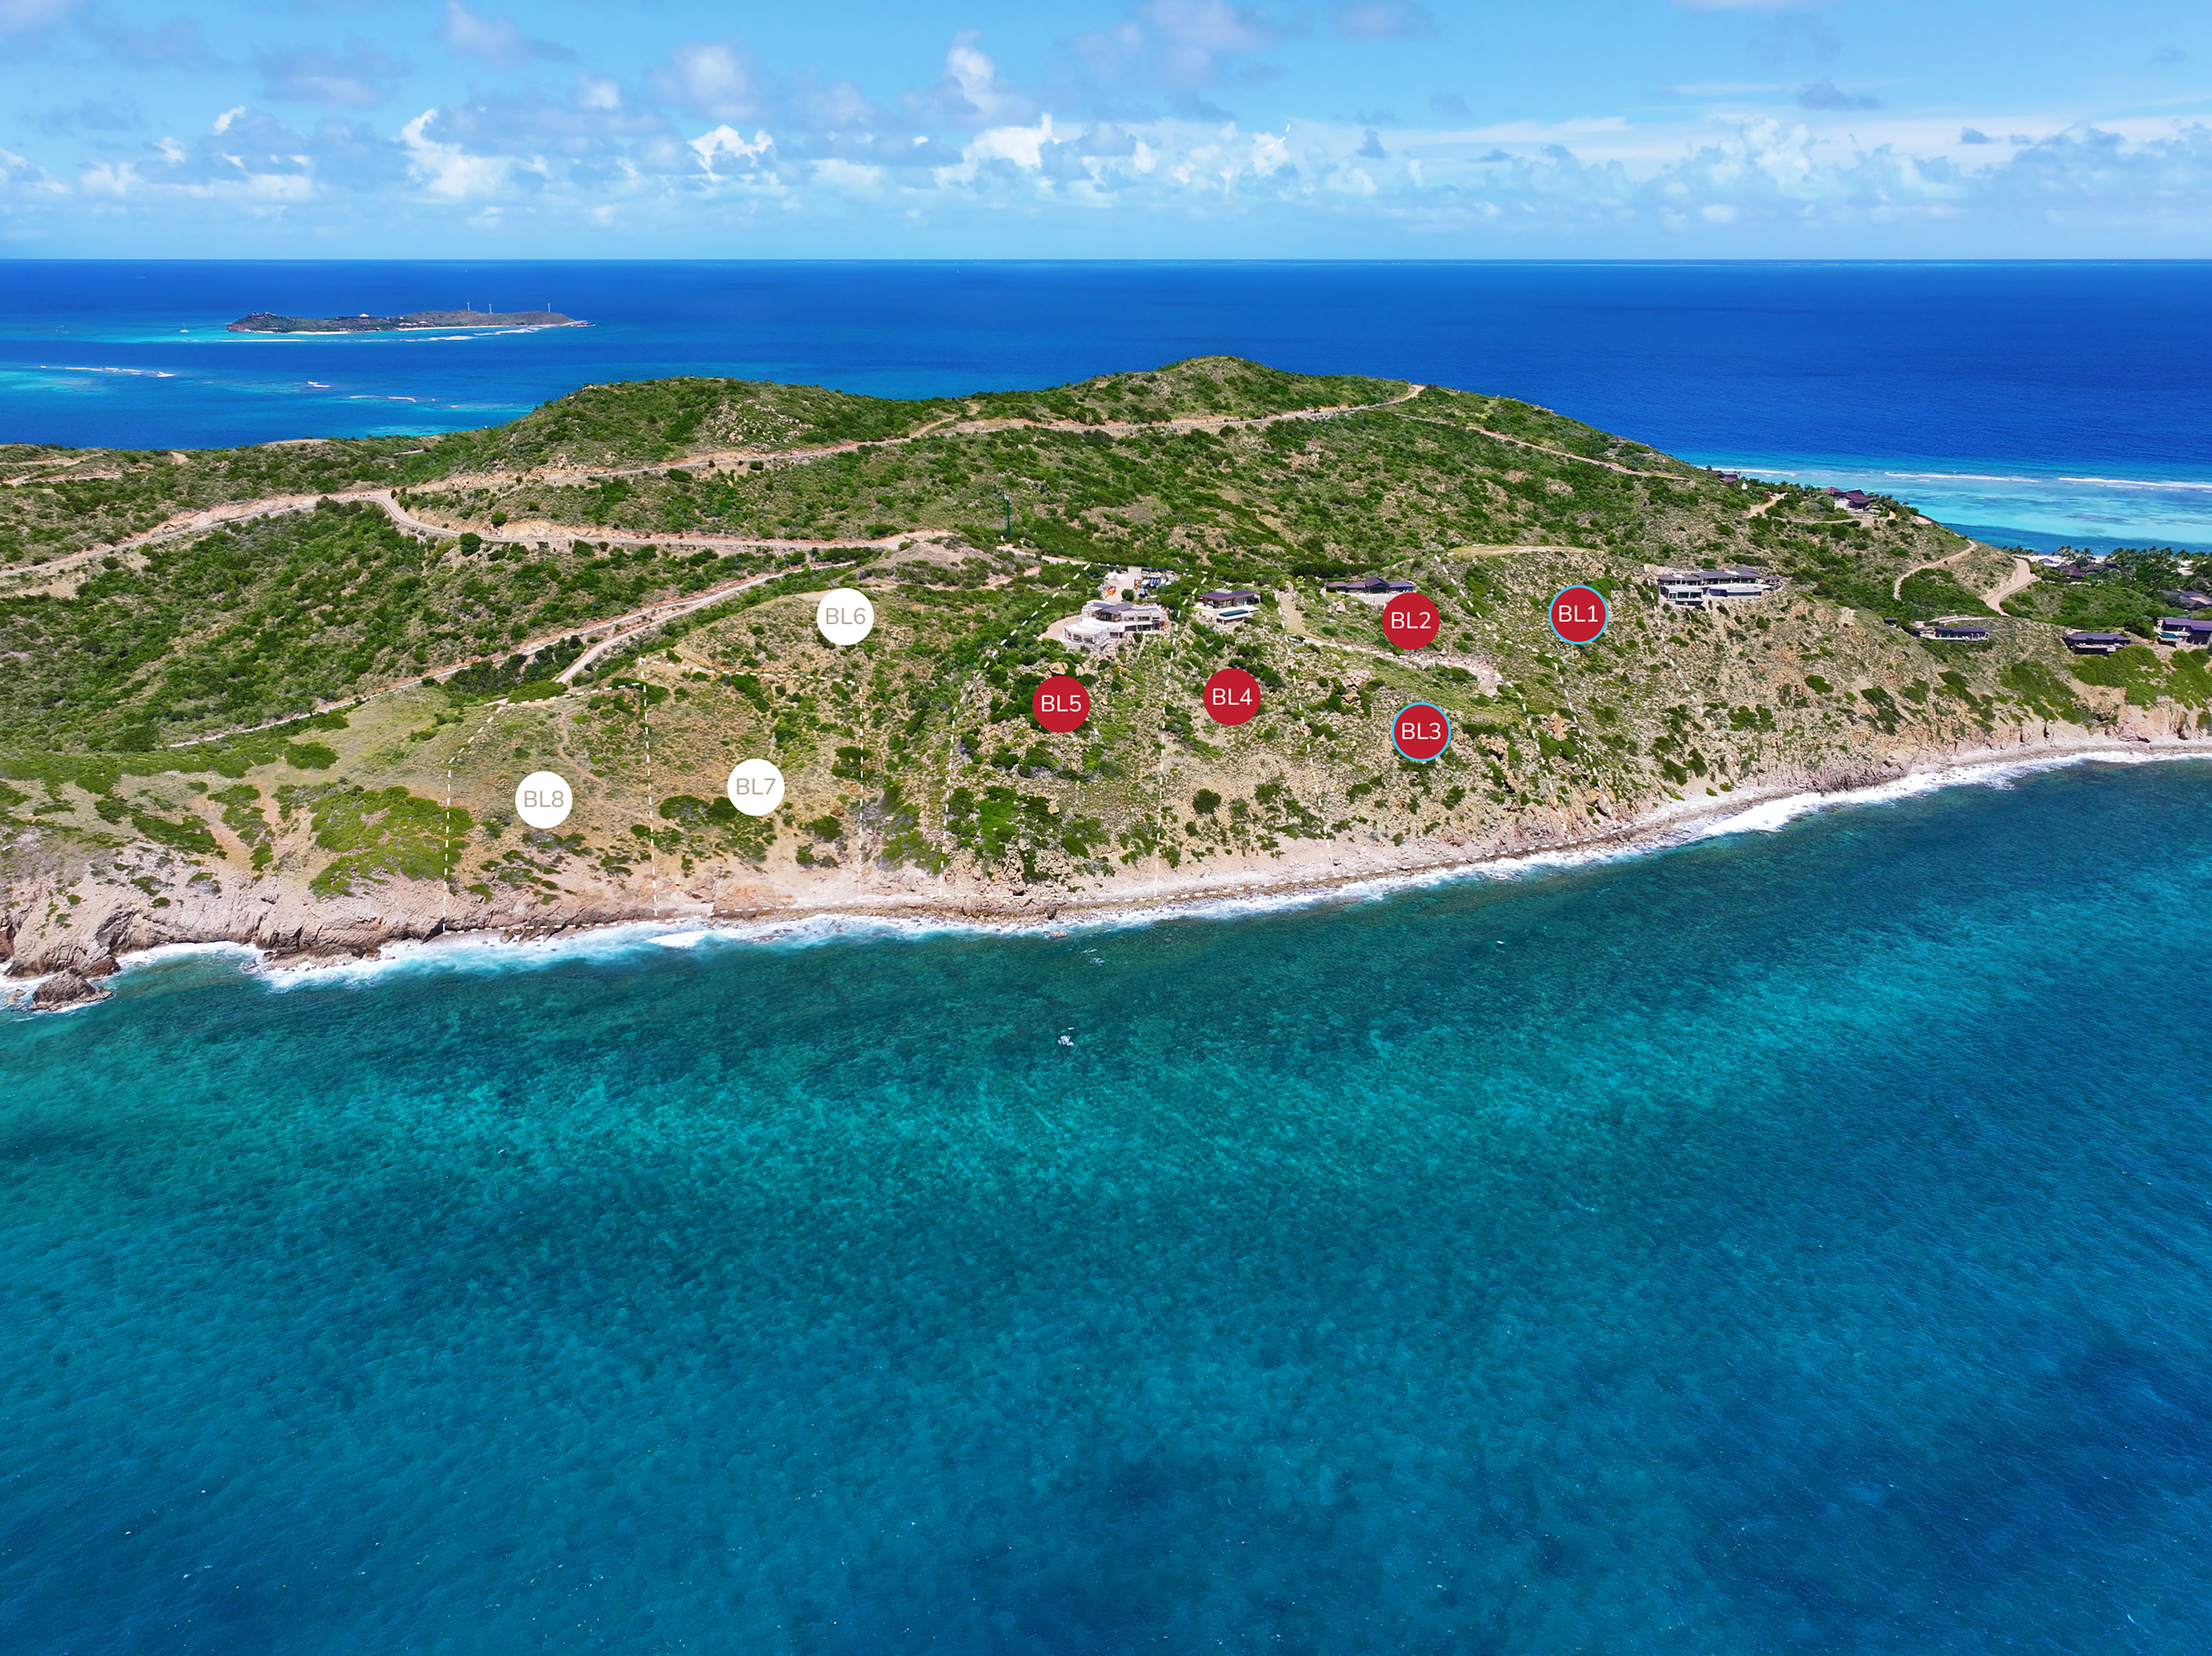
x=2036, y=404
x=1793, y=1241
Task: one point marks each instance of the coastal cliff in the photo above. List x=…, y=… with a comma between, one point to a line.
x=285, y=698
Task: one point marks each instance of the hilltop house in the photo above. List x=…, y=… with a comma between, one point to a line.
x=1370, y=589
x=1693, y=589
x=1104, y=623
x=1228, y=608
x=2097, y=644
x=2182, y=629
x=1951, y=632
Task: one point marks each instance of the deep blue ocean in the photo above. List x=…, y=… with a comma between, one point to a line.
x=2031, y=404
x=1794, y=1241
x=1798, y=1241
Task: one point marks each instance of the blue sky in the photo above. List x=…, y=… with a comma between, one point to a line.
x=1709, y=129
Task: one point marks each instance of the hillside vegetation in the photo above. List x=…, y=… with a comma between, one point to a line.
x=361, y=695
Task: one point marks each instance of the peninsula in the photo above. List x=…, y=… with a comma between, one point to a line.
x=266, y=322
x=285, y=694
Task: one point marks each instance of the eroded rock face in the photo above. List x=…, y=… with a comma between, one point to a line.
x=68, y=989
x=1847, y=776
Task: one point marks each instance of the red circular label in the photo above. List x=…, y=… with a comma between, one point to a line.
x=1061, y=704
x=1232, y=696
x=1579, y=615
x=1411, y=622
x=1421, y=731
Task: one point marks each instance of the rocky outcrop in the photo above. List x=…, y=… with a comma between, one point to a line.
x=68, y=989
x=73, y=934
x=1849, y=775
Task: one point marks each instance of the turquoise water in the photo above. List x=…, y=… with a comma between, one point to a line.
x=1798, y=1241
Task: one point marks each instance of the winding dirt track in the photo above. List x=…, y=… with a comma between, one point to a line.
x=235, y=512
x=1897, y=586
x=620, y=629
x=2022, y=577
x=1546, y=448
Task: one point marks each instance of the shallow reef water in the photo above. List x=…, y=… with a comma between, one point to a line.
x=1791, y=1241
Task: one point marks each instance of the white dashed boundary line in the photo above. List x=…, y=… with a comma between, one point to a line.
x=446, y=827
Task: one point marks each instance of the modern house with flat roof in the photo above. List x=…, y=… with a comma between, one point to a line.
x=1693, y=589
x=2097, y=644
x=1105, y=622
x=1228, y=607
x=1129, y=617
x=1952, y=631
x=1085, y=634
x=2184, y=629
x=1369, y=586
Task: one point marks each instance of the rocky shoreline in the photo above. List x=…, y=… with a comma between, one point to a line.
x=60, y=949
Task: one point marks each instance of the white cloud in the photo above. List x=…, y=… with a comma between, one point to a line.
x=971, y=92
x=718, y=79
x=807, y=150
x=1183, y=47
x=1022, y=145
x=447, y=170
x=359, y=77
x=725, y=142
x=494, y=40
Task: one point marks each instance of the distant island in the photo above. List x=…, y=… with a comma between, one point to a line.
x=268, y=322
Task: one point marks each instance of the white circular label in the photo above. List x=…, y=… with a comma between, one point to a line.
x=755, y=788
x=543, y=800
x=845, y=616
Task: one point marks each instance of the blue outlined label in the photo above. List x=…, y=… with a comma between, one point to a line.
x=1580, y=615
x=1421, y=731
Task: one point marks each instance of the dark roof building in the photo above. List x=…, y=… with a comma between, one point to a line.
x=1368, y=583
x=1138, y=617
x=2097, y=644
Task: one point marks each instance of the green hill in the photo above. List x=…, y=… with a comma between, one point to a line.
x=390, y=640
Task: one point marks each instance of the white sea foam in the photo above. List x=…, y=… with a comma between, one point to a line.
x=76, y=367
x=2137, y=482
x=2030, y=479
x=486, y=953
x=1769, y=816
x=2200, y=485
x=178, y=951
